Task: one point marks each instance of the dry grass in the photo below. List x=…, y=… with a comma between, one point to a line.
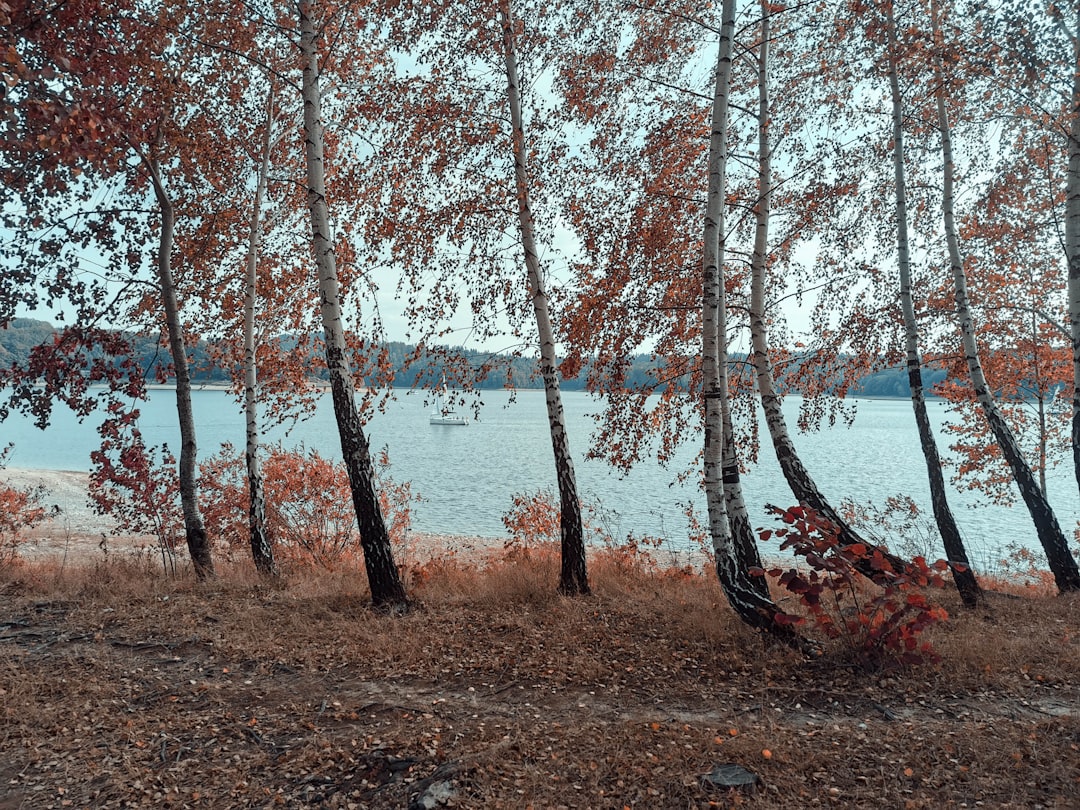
x=123, y=687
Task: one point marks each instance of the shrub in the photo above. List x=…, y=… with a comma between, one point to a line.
x=309, y=510
x=881, y=627
x=21, y=508
x=137, y=485
x=532, y=520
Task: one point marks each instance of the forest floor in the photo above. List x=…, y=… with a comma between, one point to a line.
x=123, y=687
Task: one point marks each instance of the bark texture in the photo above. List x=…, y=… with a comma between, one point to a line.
x=198, y=543
x=573, y=577
x=733, y=542
x=798, y=478
x=1072, y=243
x=387, y=590
x=963, y=575
x=261, y=551
x=1060, y=560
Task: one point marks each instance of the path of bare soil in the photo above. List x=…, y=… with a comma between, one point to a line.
x=122, y=688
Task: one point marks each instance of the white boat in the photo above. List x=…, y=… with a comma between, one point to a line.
x=444, y=414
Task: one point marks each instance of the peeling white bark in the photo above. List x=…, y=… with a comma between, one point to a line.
x=261, y=551
x=1062, y=564
x=383, y=579
x=963, y=575
x=1072, y=243
x=733, y=543
x=573, y=579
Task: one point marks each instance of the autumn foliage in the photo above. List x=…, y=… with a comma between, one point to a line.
x=880, y=628
x=136, y=484
x=20, y=509
x=309, y=512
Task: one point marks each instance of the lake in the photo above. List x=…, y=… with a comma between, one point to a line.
x=468, y=475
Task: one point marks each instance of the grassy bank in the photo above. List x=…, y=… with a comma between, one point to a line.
x=121, y=687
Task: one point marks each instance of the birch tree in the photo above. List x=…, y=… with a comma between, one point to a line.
x=194, y=529
x=1062, y=564
x=261, y=550
x=963, y=575
x=120, y=95
x=733, y=541
x=384, y=581
x=573, y=578
x=466, y=164
x=795, y=473
x=1072, y=227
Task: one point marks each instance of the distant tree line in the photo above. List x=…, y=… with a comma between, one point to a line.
x=23, y=334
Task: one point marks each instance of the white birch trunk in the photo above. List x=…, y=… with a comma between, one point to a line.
x=1072, y=243
x=261, y=551
x=572, y=579
x=728, y=521
x=719, y=525
x=798, y=478
x=963, y=575
x=194, y=528
x=383, y=579
x=1062, y=564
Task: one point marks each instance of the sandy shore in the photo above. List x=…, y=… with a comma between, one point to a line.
x=77, y=528
x=67, y=490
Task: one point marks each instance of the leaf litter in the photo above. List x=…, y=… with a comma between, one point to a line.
x=121, y=688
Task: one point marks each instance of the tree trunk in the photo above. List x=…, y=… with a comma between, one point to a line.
x=194, y=529
x=1072, y=243
x=732, y=538
x=1062, y=564
x=261, y=550
x=798, y=478
x=963, y=575
x=386, y=588
x=572, y=578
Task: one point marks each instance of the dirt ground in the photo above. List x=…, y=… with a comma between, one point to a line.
x=123, y=687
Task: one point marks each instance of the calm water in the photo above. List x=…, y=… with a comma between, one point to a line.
x=468, y=475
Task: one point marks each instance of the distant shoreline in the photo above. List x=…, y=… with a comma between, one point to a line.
x=325, y=386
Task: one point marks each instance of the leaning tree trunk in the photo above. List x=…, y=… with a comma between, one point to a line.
x=1072, y=245
x=194, y=529
x=261, y=550
x=732, y=539
x=963, y=575
x=798, y=478
x=383, y=579
x=1062, y=564
x=572, y=578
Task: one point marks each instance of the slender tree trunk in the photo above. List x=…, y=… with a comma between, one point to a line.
x=798, y=478
x=732, y=538
x=572, y=578
x=1062, y=564
x=1044, y=442
x=1040, y=398
x=383, y=579
x=1072, y=243
x=261, y=550
x=963, y=575
x=194, y=529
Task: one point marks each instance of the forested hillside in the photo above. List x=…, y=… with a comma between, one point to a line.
x=22, y=334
